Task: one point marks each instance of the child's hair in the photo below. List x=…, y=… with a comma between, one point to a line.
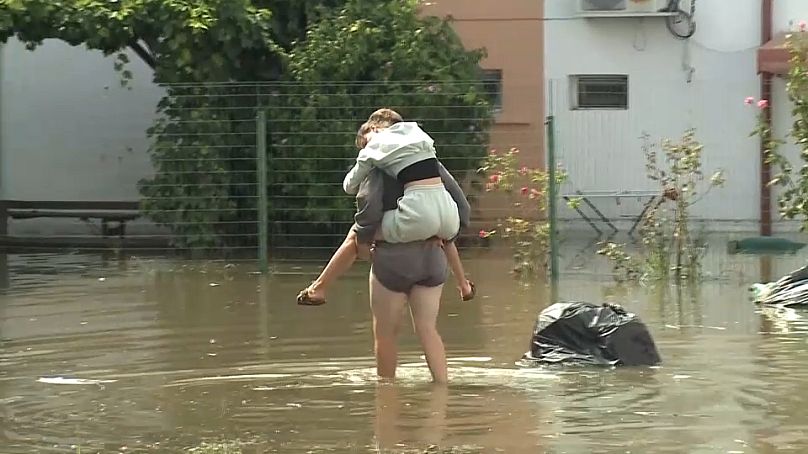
x=385, y=118
x=361, y=140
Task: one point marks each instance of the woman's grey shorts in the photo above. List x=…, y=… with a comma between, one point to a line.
x=401, y=266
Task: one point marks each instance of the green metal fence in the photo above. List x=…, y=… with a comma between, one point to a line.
x=253, y=171
x=206, y=192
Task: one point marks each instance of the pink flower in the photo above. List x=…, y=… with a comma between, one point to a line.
x=763, y=104
x=524, y=170
x=525, y=190
x=483, y=234
x=749, y=101
x=803, y=25
x=494, y=179
x=493, y=152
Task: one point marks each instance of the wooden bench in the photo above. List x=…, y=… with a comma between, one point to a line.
x=105, y=211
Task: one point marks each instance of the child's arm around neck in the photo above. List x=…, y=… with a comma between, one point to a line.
x=358, y=173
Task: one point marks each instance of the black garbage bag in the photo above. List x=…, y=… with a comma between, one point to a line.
x=578, y=333
x=789, y=290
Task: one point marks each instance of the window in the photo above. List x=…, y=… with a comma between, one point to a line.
x=492, y=86
x=599, y=92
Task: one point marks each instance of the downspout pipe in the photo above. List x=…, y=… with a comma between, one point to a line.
x=766, y=93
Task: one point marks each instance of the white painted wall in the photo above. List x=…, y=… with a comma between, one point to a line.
x=68, y=129
x=787, y=13
x=600, y=149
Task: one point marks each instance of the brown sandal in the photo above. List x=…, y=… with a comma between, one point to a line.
x=304, y=299
x=471, y=295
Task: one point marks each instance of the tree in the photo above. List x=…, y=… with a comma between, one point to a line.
x=291, y=18
x=174, y=37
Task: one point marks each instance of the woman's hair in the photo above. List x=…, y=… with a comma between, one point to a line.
x=385, y=118
x=361, y=140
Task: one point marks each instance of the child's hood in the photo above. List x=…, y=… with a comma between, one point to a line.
x=400, y=135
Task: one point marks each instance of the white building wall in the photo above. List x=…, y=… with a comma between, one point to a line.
x=787, y=14
x=68, y=130
x=601, y=149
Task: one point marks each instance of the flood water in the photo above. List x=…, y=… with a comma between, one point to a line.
x=145, y=355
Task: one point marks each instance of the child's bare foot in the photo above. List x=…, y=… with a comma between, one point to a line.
x=312, y=295
x=467, y=291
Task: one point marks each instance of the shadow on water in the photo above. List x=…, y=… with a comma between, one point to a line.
x=161, y=356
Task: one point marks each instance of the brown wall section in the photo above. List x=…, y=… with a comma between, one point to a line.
x=512, y=33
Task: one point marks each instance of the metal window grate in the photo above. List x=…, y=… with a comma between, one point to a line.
x=599, y=92
x=492, y=86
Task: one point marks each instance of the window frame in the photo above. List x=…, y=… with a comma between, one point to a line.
x=498, y=103
x=616, y=80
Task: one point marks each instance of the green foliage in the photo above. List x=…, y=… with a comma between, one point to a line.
x=183, y=40
x=668, y=249
x=793, y=199
x=292, y=18
x=527, y=192
x=625, y=266
x=204, y=152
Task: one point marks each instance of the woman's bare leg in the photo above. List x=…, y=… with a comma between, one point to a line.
x=453, y=256
x=424, y=307
x=340, y=263
x=387, y=307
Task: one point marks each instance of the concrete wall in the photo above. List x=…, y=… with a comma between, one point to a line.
x=69, y=131
x=673, y=85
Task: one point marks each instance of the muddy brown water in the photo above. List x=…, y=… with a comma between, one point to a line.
x=145, y=355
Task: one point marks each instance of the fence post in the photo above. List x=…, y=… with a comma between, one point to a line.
x=263, y=206
x=553, y=197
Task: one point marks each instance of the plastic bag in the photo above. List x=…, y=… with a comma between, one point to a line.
x=789, y=290
x=578, y=333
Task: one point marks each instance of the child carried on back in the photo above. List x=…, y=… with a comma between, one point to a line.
x=406, y=152
x=425, y=211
